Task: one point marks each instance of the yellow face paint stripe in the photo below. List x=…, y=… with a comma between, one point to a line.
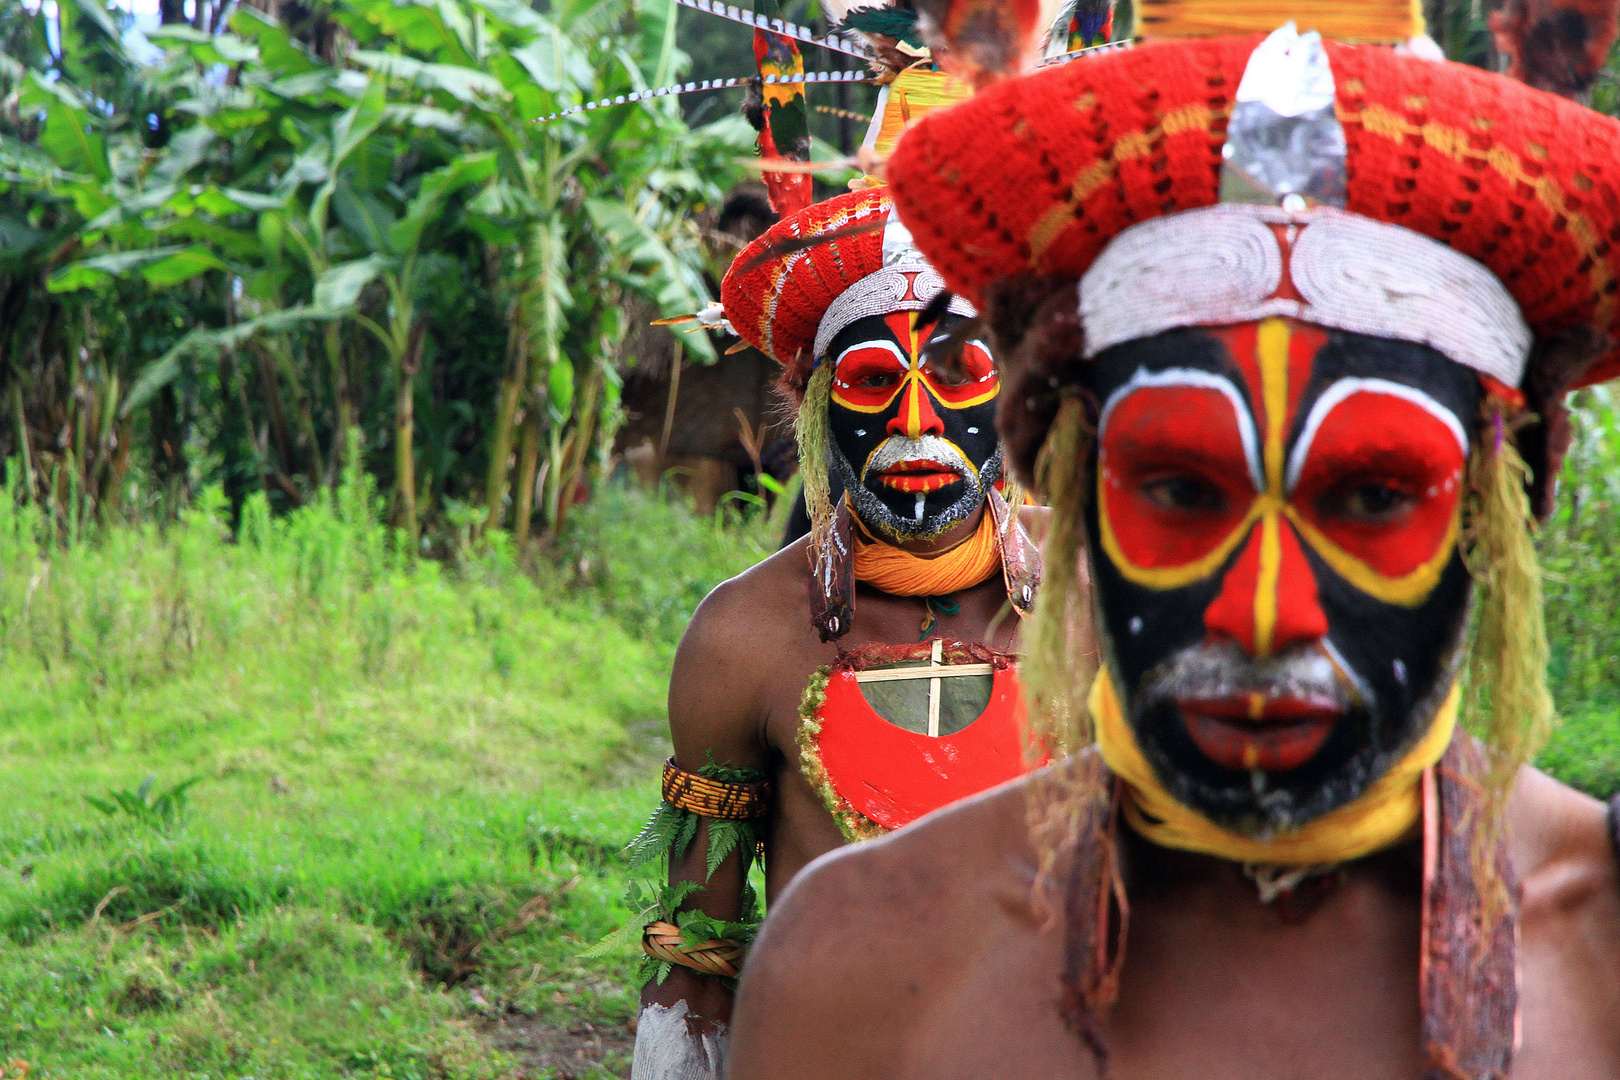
x=988, y=395
x=1173, y=577
x=1408, y=590
x=1271, y=347
x=915, y=376
x=1265, y=589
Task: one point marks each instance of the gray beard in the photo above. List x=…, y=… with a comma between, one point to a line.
x=879, y=519
x=1265, y=810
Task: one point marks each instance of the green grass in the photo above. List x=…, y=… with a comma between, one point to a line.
x=412, y=783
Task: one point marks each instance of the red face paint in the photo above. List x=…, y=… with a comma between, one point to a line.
x=914, y=435
x=1275, y=553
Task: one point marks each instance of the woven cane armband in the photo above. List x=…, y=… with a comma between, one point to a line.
x=727, y=800
x=663, y=940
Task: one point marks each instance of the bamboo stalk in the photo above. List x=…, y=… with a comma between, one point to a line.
x=23, y=442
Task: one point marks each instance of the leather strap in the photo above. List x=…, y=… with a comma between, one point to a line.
x=1614, y=824
x=832, y=578
x=1020, y=559
x=1468, y=981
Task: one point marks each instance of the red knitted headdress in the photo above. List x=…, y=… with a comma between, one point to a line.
x=787, y=297
x=1039, y=173
x=776, y=305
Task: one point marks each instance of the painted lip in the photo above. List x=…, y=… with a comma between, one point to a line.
x=1252, y=731
x=917, y=477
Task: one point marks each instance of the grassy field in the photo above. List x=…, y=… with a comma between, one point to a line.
x=407, y=789
x=410, y=787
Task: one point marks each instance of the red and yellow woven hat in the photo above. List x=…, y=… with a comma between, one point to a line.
x=788, y=298
x=1040, y=173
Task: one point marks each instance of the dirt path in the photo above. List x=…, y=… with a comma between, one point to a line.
x=583, y=1051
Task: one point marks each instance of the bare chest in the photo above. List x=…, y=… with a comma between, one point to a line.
x=1200, y=995
x=1332, y=998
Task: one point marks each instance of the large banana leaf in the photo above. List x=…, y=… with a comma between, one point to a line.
x=673, y=284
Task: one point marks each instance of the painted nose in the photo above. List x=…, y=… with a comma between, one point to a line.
x=1268, y=598
x=917, y=416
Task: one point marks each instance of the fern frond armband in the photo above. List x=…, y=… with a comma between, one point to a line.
x=724, y=799
x=664, y=941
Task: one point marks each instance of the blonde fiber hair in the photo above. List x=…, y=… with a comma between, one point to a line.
x=1507, y=704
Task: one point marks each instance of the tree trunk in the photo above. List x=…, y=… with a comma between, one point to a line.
x=506, y=407
x=528, y=459
x=405, y=429
x=573, y=462
x=340, y=396
x=168, y=445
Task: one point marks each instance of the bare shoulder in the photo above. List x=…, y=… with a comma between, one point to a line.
x=1569, y=930
x=771, y=593
x=729, y=658
x=1562, y=849
x=854, y=942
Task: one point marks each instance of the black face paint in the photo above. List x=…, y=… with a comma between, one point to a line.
x=1283, y=598
x=914, y=441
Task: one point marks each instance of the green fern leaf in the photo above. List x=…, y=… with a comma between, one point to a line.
x=724, y=837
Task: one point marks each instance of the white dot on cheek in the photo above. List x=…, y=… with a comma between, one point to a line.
x=973, y=431
x=860, y=433
x=1136, y=626
x=1400, y=672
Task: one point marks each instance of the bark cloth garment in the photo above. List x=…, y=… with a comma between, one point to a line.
x=1467, y=977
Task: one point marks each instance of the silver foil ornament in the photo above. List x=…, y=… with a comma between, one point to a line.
x=1284, y=145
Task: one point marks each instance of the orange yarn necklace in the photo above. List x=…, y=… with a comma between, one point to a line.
x=904, y=573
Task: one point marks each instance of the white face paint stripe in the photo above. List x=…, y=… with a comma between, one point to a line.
x=1205, y=380
x=1334, y=395
x=889, y=346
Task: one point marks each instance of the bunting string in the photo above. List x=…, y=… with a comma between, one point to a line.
x=706, y=84
x=836, y=42
x=700, y=85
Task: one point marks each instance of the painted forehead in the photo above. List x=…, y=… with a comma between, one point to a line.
x=894, y=327
x=1316, y=359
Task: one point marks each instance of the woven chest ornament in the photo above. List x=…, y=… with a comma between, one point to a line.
x=891, y=732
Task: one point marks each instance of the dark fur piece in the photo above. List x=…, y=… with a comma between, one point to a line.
x=746, y=213
x=1556, y=45
x=1555, y=365
x=1037, y=341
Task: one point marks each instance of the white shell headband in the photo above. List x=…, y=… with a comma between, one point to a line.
x=904, y=283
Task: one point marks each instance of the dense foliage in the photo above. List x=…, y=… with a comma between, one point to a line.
x=213, y=266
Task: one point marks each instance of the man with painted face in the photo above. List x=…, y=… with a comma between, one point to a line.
x=863, y=675
x=1285, y=328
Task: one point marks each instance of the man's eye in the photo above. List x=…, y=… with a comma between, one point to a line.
x=1372, y=502
x=878, y=380
x=1185, y=493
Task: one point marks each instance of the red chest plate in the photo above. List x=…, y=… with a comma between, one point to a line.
x=877, y=773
